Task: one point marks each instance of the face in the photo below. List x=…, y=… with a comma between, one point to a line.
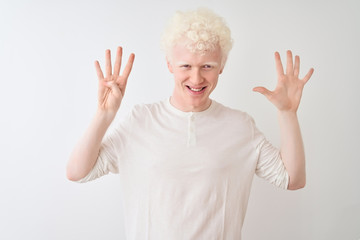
x=195, y=77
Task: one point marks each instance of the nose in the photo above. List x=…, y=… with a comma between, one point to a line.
x=196, y=77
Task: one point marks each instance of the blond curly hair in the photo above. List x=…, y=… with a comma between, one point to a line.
x=202, y=31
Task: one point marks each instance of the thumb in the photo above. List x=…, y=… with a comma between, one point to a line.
x=115, y=90
x=264, y=91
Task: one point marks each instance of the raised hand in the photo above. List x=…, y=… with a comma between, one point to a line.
x=112, y=87
x=288, y=91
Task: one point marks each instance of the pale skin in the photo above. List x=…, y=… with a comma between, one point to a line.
x=111, y=91
x=286, y=97
x=193, y=71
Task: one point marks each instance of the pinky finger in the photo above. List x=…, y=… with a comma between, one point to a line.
x=99, y=73
x=308, y=75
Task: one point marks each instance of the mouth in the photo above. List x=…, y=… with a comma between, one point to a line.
x=196, y=90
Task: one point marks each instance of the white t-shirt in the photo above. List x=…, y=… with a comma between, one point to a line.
x=187, y=175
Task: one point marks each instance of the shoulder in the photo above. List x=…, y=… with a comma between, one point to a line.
x=236, y=122
x=232, y=114
x=144, y=109
x=148, y=113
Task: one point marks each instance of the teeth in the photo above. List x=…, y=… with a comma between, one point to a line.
x=196, y=89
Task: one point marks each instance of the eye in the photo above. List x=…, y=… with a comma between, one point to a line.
x=207, y=66
x=185, y=66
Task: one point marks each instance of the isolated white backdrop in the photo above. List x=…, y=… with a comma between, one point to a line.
x=48, y=96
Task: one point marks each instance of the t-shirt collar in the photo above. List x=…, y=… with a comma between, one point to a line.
x=185, y=114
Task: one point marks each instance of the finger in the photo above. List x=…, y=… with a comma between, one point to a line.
x=279, y=67
x=117, y=64
x=129, y=65
x=289, y=65
x=127, y=70
x=99, y=73
x=308, y=75
x=114, y=88
x=264, y=91
x=107, y=63
x=297, y=66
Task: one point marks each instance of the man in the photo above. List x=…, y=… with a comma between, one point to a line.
x=186, y=163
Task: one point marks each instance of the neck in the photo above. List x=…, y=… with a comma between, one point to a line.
x=189, y=107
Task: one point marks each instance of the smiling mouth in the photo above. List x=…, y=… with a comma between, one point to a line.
x=196, y=89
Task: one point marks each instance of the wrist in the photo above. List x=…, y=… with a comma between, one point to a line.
x=287, y=116
x=287, y=113
x=105, y=115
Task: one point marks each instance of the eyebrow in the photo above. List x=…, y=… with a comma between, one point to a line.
x=182, y=63
x=206, y=63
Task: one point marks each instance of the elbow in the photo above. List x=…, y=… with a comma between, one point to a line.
x=71, y=174
x=71, y=177
x=296, y=185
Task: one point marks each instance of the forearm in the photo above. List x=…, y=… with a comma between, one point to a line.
x=292, y=149
x=86, y=151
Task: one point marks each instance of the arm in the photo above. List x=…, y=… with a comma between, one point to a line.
x=286, y=97
x=110, y=94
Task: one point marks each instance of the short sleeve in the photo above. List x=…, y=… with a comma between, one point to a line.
x=269, y=166
x=112, y=148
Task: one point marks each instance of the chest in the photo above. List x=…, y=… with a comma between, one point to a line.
x=191, y=149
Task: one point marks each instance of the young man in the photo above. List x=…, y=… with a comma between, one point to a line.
x=186, y=163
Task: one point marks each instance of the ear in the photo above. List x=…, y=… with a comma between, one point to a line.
x=223, y=61
x=169, y=65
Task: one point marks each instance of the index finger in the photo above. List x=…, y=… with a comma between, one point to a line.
x=123, y=79
x=128, y=66
x=279, y=66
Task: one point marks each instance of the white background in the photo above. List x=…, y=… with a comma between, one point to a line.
x=48, y=96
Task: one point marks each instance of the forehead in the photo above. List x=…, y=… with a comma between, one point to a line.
x=181, y=53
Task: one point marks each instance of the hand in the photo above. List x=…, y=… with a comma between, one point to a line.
x=288, y=91
x=112, y=87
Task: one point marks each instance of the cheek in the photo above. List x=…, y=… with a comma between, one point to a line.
x=213, y=78
x=214, y=83
x=180, y=76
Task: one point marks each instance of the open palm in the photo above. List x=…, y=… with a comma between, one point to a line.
x=288, y=91
x=112, y=86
